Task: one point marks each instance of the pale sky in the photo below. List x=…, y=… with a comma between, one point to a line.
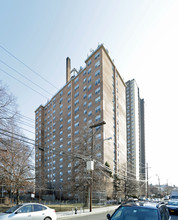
x=142, y=39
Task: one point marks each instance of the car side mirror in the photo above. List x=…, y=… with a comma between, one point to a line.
x=108, y=216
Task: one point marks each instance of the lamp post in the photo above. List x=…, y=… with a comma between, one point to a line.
x=91, y=166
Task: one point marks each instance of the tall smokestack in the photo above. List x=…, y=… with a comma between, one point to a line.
x=68, y=69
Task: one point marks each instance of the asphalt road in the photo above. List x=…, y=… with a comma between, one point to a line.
x=100, y=216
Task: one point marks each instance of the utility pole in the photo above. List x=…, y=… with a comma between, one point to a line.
x=147, y=180
x=91, y=162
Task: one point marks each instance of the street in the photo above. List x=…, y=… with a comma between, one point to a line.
x=101, y=216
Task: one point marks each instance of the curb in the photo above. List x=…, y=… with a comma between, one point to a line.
x=85, y=212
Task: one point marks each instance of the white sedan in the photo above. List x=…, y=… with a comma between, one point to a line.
x=31, y=211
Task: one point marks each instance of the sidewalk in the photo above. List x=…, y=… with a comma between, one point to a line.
x=71, y=213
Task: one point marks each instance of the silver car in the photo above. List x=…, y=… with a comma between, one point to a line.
x=31, y=211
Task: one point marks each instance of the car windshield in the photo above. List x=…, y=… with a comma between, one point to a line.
x=174, y=203
x=135, y=213
x=12, y=209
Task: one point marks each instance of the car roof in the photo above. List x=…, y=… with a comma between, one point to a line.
x=31, y=203
x=144, y=204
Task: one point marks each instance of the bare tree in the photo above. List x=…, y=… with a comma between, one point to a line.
x=16, y=163
x=7, y=107
x=16, y=169
x=83, y=153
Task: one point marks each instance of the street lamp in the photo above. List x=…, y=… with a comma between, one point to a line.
x=90, y=164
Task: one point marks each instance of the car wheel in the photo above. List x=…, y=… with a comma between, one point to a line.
x=47, y=218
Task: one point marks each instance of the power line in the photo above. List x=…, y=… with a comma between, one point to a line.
x=25, y=77
x=23, y=116
x=27, y=66
x=19, y=139
x=23, y=83
x=17, y=135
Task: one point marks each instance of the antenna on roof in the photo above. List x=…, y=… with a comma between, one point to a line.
x=91, y=50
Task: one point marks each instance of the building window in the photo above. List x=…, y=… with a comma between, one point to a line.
x=61, y=93
x=76, y=124
x=98, y=136
x=69, y=92
x=84, y=88
x=89, y=104
x=98, y=117
x=76, y=95
x=84, y=73
x=97, y=55
x=97, y=73
x=69, y=107
x=68, y=100
x=98, y=154
x=69, y=121
x=85, y=103
x=89, y=79
x=97, y=91
x=98, y=109
x=89, y=113
x=76, y=132
x=76, y=109
x=85, y=119
x=76, y=102
x=76, y=80
x=90, y=121
x=69, y=114
x=76, y=87
x=97, y=64
x=84, y=96
x=97, y=81
x=89, y=62
x=76, y=117
x=89, y=71
x=89, y=87
x=84, y=80
x=69, y=135
x=85, y=112
x=89, y=96
x=97, y=99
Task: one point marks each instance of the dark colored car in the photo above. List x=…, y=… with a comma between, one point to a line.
x=141, y=211
x=173, y=206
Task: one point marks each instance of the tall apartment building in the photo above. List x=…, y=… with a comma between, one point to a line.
x=135, y=133
x=94, y=94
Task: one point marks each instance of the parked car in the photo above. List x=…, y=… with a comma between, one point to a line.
x=141, y=210
x=173, y=206
x=32, y=211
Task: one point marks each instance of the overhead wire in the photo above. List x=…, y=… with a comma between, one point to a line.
x=22, y=83
x=18, y=139
x=16, y=134
x=23, y=116
x=25, y=77
x=3, y=48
